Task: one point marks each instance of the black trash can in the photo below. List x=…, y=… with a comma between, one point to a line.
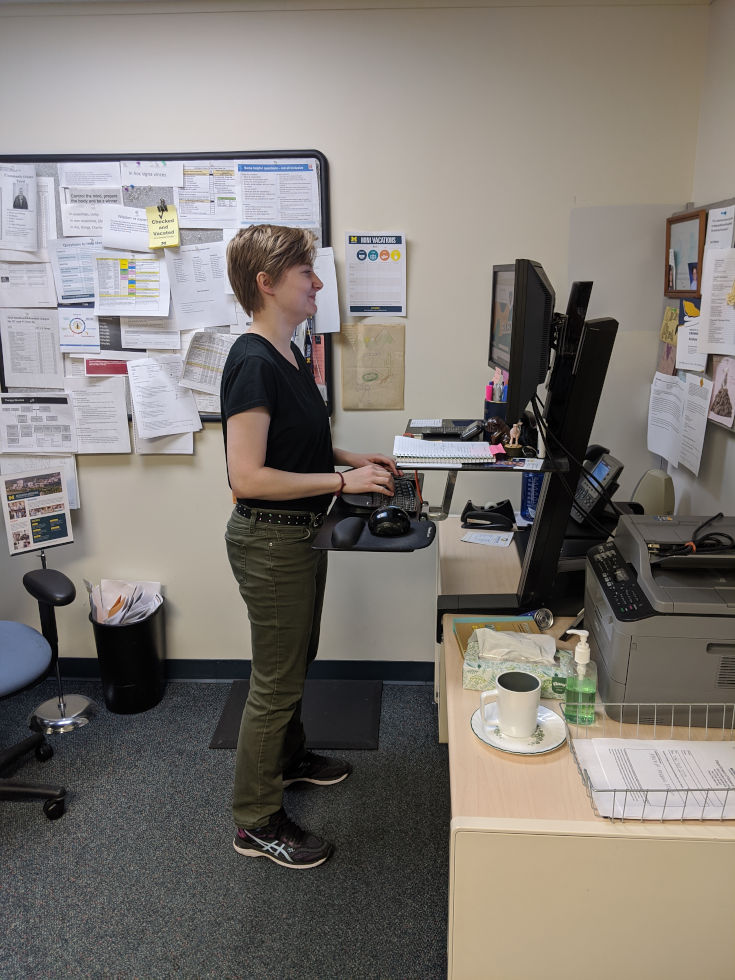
x=131, y=660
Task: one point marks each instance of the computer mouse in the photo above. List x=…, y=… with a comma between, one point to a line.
x=389, y=522
x=346, y=533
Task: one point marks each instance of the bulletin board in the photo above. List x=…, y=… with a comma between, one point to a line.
x=704, y=302
x=268, y=192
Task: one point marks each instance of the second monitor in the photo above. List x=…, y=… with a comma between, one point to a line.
x=521, y=325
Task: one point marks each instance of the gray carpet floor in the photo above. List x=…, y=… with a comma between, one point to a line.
x=139, y=878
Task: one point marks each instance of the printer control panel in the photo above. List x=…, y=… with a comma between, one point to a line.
x=619, y=584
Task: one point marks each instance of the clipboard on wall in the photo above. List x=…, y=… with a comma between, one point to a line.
x=262, y=171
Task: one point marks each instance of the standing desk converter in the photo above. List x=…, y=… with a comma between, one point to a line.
x=541, y=888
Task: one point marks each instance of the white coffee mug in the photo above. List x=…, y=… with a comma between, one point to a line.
x=517, y=695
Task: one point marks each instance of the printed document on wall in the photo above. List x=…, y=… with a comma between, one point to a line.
x=130, y=284
x=698, y=391
x=720, y=227
x=27, y=284
x=722, y=405
x=79, y=330
x=124, y=228
x=688, y=355
x=717, y=310
x=665, y=409
x=45, y=225
x=327, y=318
x=281, y=192
x=17, y=463
x=207, y=198
x=30, y=345
x=72, y=262
x=162, y=406
x=152, y=173
x=180, y=444
x=81, y=209
x=197, y=275
x=37, y=422
x=18, y=206
x=205, y=360
x=150, y=333
x=36, y=510
x=376, y=273
x=677, y=418
x=373, y=366
x=89, y=173
x=100, y=414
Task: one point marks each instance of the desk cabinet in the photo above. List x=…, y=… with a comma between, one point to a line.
x=542, y=888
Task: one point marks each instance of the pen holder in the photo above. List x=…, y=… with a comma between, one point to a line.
x=494, y=410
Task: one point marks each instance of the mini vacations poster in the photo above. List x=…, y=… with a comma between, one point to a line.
x=36, y=510
x=376, y=273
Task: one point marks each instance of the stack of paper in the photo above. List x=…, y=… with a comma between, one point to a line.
x=118, y=603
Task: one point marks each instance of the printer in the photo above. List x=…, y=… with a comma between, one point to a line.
x=662, y=625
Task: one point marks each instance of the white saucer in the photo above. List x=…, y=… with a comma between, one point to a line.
x=550, y=733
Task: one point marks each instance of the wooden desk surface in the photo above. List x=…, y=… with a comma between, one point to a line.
x=517, y=817
x=487, y=784
x=485, y=781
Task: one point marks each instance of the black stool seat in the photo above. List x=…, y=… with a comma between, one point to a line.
x=51, y=586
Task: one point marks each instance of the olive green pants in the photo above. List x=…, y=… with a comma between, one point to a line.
x=282, y=581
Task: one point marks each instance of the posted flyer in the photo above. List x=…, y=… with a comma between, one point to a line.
x=36, y=510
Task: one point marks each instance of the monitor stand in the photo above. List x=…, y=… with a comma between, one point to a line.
x=570, y=412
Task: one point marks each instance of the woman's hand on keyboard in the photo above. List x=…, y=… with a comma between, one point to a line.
x=369, y=478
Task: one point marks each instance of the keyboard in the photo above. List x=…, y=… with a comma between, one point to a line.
x=437, y=428
x=405, y=496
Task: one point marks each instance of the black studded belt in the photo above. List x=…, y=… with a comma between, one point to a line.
x=285, y=518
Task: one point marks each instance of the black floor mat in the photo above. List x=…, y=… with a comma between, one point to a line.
x=337, y=714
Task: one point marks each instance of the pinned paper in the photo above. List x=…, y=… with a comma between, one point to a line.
x=669, y=325
x=163, y=225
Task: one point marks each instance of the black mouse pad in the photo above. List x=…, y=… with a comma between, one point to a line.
x=421, y=535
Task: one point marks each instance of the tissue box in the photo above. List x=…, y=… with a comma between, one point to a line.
x=479, y=674
x=465, y=626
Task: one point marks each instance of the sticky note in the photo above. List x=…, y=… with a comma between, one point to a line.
x=163, y=226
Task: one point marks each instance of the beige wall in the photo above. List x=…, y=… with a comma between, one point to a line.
x=714, y=180
x=479, y=132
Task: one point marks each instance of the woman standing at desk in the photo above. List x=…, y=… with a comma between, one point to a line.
x=280, y=464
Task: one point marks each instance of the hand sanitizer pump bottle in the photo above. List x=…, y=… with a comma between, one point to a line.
x=581, y=684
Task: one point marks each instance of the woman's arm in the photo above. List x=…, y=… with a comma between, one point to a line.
x=345, y=458
x=247, y=437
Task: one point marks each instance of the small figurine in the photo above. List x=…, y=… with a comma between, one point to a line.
x=498, y=431
x=515, y=433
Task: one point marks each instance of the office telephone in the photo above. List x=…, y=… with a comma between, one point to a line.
x=593, y=493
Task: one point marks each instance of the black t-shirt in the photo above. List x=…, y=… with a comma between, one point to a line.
x=299, y=437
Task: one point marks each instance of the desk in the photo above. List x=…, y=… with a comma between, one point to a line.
x=539, y=887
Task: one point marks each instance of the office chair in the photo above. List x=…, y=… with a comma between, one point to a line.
x=24, y=657
x=52, y=588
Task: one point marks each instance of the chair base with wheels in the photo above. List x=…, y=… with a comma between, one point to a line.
x=25, y=656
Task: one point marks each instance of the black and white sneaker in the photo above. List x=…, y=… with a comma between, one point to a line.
x=284, y=842
x=317, y=769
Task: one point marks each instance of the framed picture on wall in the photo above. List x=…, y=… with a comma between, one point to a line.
x=684, y=253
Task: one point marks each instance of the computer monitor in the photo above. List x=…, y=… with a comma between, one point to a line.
x=569, y=333
x=521, y=324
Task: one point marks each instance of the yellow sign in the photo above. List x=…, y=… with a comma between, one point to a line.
x=163, y=226
x=669, y=325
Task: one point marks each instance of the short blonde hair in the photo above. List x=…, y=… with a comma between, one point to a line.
x=265, y=248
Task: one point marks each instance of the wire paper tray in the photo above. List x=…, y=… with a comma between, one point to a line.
x=661, y=761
